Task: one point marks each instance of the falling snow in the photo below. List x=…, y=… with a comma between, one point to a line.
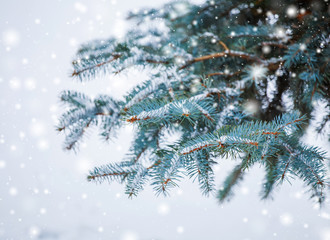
x=43, y=192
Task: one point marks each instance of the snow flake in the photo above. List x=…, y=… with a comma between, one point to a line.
x=279, y=72
x=251, y=107
x=43, y=211
x=163, y=209
x=11, y=38
x=2, y=164
x=53, y=108
x=30, y=84
x=280, y=32
x=43, y=144
x=37, y=128
x=325, y=215
x=286, y=219
x=298, y=195
x=235, y=11
x=264, y=212
x=34, y=232
x=57, y=81
x=25, y=61
x=83, y=165
x=193, y=89
x=130, y=236
x=180, y=229
x=2, y=140
x=245, y=190
x=257, y=72
x=13, y=191
x=18, y=106
x=14, y=83
x=292, y=11
x=80, y=7
x=303, y=47
x=266, y=49
x=179, y=60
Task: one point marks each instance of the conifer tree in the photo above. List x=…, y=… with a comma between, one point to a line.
x=232, y=79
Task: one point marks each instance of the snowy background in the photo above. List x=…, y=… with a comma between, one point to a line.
x=43, y=189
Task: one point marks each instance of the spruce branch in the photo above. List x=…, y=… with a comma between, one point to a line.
x=226, y=53
x=77, y=73
x=226, y=192
x=247, y=93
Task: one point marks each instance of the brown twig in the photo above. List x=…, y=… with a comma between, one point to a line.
x=275, y=44
x=219, y=145
x=224, y=46
x=223, y=74
x=93, y=177
x=70, y=146
x=242, y=55
x=157, y=62
x=297, y=120
x=115, y=57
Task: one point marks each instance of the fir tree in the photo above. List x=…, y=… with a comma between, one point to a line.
x=234, y=79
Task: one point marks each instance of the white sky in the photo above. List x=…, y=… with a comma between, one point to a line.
x=43, y=190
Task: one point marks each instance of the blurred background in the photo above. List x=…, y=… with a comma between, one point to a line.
x=43, y=189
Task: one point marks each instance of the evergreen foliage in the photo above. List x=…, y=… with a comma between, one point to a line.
x=232, y=79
